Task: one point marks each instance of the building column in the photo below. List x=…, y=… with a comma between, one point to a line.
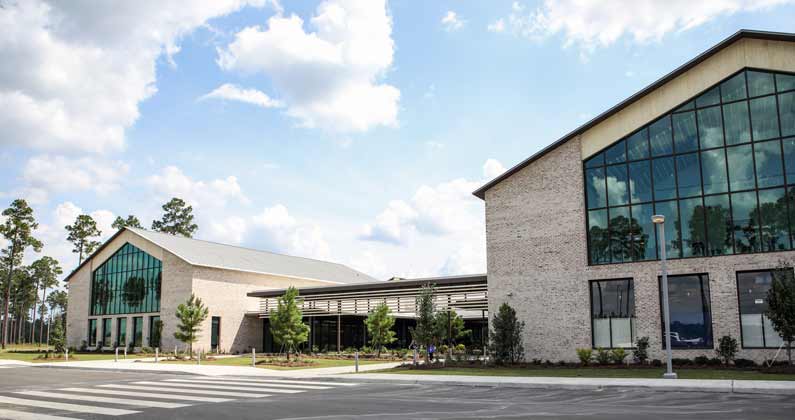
x=339, y=333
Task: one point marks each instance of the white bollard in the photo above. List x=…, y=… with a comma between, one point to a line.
x=125, y=352
x=66, y=357
x=415, y=356
x=116, y=357
x=356, y=360
x=175, y=352
x=253, y=357
x=157, y=353
x=199, y=357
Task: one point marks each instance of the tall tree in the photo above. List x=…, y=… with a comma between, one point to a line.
x=287, y=326
x=449, y=326
x=80, y=234
x=22, y=297
x=177, y=219
x=379, y=327
x=190, y=314
x=506, y=336
x=423, y=332
x=17, y=229
x=57, y=301
x=781, y=306
x=45, y=271
x=130, y=221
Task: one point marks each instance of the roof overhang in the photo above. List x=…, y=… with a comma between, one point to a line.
x=380, y=286
x=741, y=34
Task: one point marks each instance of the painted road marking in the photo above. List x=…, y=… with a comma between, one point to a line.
x=146, y=395
x=285, y=381
x=191, y=384
x=66, y=407
x=108, y=400
x=27, y=415
x=185, y=391
x=248, y=384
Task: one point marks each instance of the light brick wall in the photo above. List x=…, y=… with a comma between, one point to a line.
x=537, y=262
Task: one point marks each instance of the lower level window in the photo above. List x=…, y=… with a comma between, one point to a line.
x=154, y=331
x=107, y=332
x=121, y=332
x=613, y=313
x=138, y=331
x=215, y=333
x=691, y=317
x=756, y=328
x=92, y=332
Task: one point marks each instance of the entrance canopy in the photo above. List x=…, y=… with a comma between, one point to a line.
x=467, y=295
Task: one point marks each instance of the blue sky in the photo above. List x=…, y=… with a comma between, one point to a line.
x=345, y=130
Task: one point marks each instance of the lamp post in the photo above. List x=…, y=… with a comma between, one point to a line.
x=659, y=220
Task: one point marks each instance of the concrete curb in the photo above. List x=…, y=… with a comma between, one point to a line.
x=108, y=369
x=665, y=385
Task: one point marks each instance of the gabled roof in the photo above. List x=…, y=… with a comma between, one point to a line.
x=228, y=257
x=743, y=33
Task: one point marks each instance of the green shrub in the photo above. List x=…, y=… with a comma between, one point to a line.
x=585, y=356
x=714, y=362
x=618, y=355
x=349, y=350
x=656, y=363
x=679, y=361
x=443, y=349
x=367, y=350
x=744, y=363
x=602, y=356
x=315, y=349
x=701, y=360
x=461, y=349
x=727, y=349
x=641, y=352
x=147, y=350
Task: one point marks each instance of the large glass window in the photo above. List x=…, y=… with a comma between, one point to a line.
x=92, y=333
x=718, y=167
x=121, y=332
x=612, y=313
x=107, y=331
x=138, y=331
x=755, y=326
x=215, y=333
x=154, y=335
x=691, y=317
x=128, y=282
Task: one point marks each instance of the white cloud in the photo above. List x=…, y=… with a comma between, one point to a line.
x=328, y=77
x=629, y=73
x=446, y=209
x=452, y=22
x=74, y=72
x=172, y=182
x=47, y=174
x=231, y=92
x=283, y=233
x=492, y=169
x=590, y=25
x=497, y=26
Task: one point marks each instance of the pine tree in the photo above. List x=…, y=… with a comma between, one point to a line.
x=286, y=322
x=45, y=271
x=506, y=336
x=177, y=219
x=449, y=326
x=379, y=327
x=80, y=233
x=190, y=314
x=57, y=336
x=17, y=229
x=781, y=306
x=130, y=221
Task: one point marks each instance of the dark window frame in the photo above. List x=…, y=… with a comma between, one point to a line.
x=633, y=318
x=662, y=315
x=739, y=307
x=682, y=108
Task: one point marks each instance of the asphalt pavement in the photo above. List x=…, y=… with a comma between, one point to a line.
x=57, y=393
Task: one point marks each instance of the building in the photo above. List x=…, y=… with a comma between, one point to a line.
x=138, y=277
x=711, y=146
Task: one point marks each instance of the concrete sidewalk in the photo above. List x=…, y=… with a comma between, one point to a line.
x=680, y=385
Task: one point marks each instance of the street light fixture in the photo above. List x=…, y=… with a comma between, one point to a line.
x=659, y=220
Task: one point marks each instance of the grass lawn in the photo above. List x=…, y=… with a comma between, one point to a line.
x=31, y=354
x=264, y=362
x=596, y=373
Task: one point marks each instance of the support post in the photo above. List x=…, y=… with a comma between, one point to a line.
x=157, y=354
x=356, y=360
x=125, y=352
x=116, y=356
x=253, y=357
x=66, y=355
x=339, y=333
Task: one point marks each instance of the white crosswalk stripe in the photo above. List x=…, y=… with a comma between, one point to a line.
x=284, y=381
x=191, y=384
x=249, y=384
x=79, y=408
x=108, y=400
x=147, y=395
x=175, y=393
x=165, y=388
x=29, y=415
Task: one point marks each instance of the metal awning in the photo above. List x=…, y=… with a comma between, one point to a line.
x=467, y=295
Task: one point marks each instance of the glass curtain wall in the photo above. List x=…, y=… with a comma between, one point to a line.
x=128, y=282
x=752, y=287
x=612, y=313
x=138, y=331
x=107, y=325
x=720, y=168
x=121, y=332
x=92, y=333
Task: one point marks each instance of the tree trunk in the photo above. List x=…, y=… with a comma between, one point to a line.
x=8, y=293
x=33, y=319
x=789, y=352
x=41, y=323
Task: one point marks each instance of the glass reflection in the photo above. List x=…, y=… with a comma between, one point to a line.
x=690, y=313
